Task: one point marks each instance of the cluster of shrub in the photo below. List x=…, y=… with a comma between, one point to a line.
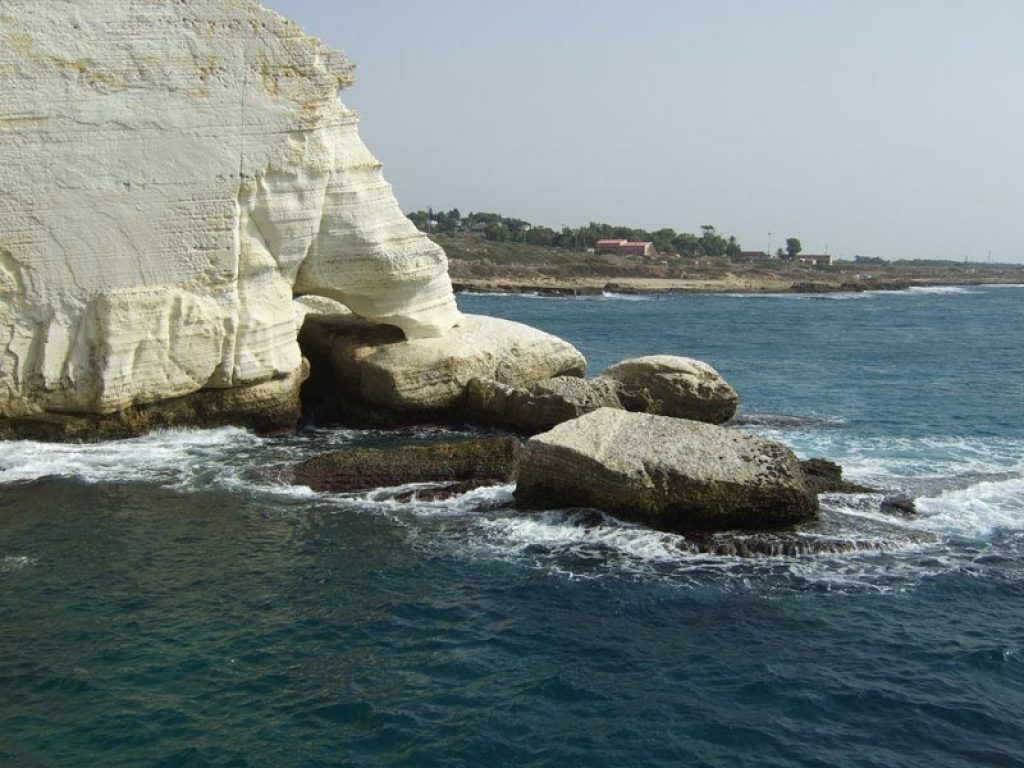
x=498, y=228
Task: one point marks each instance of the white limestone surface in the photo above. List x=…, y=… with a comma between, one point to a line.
x=171, y=173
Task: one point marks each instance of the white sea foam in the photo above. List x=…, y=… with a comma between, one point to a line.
x=941, y=289
x=965, y=488
x=581, y=534
x=630, y=296
x=395, y=500
x=978, y=511
x=830, y=296
x=587, y=545
x=888, y=460
x=11, y=563
x=159, y=457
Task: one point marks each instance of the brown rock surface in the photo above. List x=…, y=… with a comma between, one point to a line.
x=467, y=464
x=540, y=406
x=671, y=474
x=674, y=386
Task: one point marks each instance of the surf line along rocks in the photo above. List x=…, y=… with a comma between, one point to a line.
x=453, y=467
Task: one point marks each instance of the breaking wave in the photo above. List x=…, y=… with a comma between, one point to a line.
x=969, y=493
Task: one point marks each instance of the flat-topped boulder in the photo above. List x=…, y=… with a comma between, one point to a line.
x=169, y=178
x=669, y=385
x=460, y=466
x=423, y=378
x=671, y=474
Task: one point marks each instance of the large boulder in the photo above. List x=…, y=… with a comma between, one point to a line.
x=540, y=406
x=674, y=386
x=671, y=474
x=461, y=466
x=170, y=174
x=423, y=378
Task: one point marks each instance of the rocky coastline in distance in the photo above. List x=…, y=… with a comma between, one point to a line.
x=583, y=286
x=479, y=266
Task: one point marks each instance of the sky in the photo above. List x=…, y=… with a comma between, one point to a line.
x=890, y=128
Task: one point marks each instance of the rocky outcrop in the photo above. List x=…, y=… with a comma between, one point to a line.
x=659, y=384
x=824, y=476
x=671, y=474
x=170, y=174
x=540, y=406
x=459, y=466
x=674, y=386
x=420, y=379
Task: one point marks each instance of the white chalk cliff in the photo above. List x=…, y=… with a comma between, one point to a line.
x=172, y=172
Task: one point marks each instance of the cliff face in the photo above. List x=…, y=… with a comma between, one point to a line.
x=171, y=173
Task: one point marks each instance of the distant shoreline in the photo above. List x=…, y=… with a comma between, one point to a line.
x=477, y=265
x=655, y=286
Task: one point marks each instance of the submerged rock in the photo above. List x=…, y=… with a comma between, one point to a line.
x=785, y=544
x=674, y=386
x=824, y=476
x=169, y=177
x=459, y=466
x=540, y=406
x=898, y=504
x=671, y=474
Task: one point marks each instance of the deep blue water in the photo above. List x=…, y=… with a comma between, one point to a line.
x=165, y=601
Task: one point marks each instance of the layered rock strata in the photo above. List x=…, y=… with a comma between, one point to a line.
x=459, y=466
x=421, y=379
x=170, y=174
x=672, y=474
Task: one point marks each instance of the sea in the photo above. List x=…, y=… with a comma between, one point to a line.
x=170, y=601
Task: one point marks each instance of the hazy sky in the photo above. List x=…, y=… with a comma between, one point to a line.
x=889, y=128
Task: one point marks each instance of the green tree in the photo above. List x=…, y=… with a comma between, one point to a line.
x=793, y=247
x=687, y=245
x=516, y=227
x=497, y=232
x=540, y=236
x=419, y=218
x=732, y=248
x=662, y=240
x=712, y=243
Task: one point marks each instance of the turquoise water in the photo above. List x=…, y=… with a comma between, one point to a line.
x=167, y=601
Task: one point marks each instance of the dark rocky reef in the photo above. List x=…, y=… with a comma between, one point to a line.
x=458, y=466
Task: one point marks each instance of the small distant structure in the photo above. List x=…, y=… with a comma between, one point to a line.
x=754, y=257
x=624, y=247
x=815, y=259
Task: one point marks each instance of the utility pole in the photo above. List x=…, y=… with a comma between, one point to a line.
x=769, y=243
